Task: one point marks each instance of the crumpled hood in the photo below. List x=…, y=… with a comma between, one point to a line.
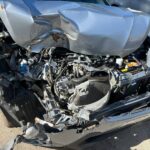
x=91, y=29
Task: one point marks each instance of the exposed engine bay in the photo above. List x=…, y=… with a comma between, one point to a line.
x=68, y=89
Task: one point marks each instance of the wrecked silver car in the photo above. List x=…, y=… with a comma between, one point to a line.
x=72, y=69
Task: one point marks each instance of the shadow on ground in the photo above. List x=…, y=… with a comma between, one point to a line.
x=135, y=137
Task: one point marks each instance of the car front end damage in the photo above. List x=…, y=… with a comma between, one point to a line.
x=72, y=70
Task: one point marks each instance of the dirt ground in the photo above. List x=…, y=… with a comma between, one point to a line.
x=136, y=137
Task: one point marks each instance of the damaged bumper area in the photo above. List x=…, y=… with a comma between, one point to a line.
x=41, y=134
x=72, y=69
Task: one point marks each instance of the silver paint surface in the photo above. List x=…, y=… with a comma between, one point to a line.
x=85, y=28
x=142, y=5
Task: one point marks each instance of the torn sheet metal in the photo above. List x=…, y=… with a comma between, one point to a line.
x=90, y=28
